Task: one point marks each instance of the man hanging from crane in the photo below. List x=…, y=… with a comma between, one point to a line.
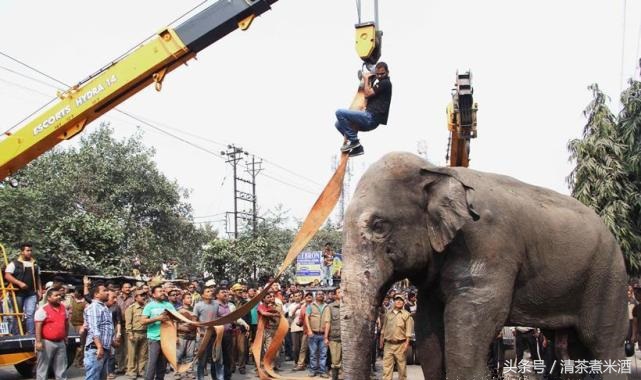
x=370, y=107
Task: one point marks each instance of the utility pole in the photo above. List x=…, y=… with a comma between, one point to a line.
x=253, y=170
x=234, y=155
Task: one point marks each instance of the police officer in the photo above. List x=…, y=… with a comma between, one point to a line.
x=333, y=332
x=395, y=339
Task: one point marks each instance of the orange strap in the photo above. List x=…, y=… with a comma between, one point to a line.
x=313, y=222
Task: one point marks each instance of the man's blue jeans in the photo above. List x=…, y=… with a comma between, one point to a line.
x=95, y=369
x=317, y=354
x=27, y=305
x=203, y=360
x=362, y=119
x=327, y=279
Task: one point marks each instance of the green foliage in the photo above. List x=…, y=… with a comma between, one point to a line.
x=254, y=257
x=94, y=207
x=606, y=177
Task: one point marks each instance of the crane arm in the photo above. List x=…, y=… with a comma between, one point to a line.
x=149, y=63
x=461, y=120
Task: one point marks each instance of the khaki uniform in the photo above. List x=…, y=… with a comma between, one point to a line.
x=397, y=329
x=333, y=318
x=136, y=341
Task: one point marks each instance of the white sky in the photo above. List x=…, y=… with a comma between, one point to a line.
x=273, y=89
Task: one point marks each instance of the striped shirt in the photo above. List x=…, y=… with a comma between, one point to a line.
x=99, y=324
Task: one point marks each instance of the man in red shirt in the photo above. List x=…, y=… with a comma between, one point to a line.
x=52, y=328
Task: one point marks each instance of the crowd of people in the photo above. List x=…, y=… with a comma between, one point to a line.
x=120, y=325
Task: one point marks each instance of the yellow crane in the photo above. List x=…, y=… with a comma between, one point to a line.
x=89, y=99
x=461, y=121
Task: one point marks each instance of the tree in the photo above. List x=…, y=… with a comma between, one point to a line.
x=254, y=257
x=603, y=178
x=94, y=207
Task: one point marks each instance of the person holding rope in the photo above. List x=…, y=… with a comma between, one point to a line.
x=378, y=92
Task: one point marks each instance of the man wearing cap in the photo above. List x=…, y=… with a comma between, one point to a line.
x=396, y=332
x=332, y=322
x=136, y=336
x=241, y=333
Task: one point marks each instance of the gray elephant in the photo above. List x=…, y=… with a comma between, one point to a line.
x=484, y=250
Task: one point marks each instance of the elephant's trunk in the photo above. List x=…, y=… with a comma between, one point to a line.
x=361, y=283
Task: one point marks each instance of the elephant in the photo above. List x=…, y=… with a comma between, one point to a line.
x=484, y=250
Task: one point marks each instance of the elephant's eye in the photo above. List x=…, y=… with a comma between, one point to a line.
x=380, y=227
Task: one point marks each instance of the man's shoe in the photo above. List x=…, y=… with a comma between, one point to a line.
x=312, y=374
x=242, y=371
x=324, y=375
x=349, y=145
x=357, y=151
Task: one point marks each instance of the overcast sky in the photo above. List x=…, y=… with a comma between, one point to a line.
x=273, y=89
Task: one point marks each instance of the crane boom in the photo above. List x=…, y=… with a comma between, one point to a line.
x=148, y=63
x=461, y=121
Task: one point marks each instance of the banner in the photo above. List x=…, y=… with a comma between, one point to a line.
x=308, y=267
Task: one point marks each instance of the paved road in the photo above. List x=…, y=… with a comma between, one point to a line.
x=414, y=372
x=8, y=373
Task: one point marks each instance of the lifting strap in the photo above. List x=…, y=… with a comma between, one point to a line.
x=314, y=220
x=317, y=216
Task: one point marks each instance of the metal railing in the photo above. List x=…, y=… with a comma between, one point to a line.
x=9, y=312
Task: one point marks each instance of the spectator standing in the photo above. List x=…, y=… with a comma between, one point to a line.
x=136, y=337
x=395, y=339
x=186, y=337
x=223, y=362
x=271, y=312
x=241, y=333
x=193, y=288
x=78, y=304
x=25, y=275
x=153, y=314
x=295, y=330
x=52, y=329
x=253, y=319
x=174, y=299
x=332, y=320
x=116, y=318
x=316, y=333
x=328, y=261
x=526, y=339
x=205, y=310
x=304, y=342
x=124, y=300
x=100, y=332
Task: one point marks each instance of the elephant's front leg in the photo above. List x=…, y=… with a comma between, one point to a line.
x=430, y=335
x=472, y=320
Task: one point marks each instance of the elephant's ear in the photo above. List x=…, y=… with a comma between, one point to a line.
x=447, y=208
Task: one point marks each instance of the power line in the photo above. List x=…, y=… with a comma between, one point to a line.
x=289, y=184
x=208, y=216
x=222, y=144
x=29, y=77
x=23, y=87
x=32, y=68
x=150, y=125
